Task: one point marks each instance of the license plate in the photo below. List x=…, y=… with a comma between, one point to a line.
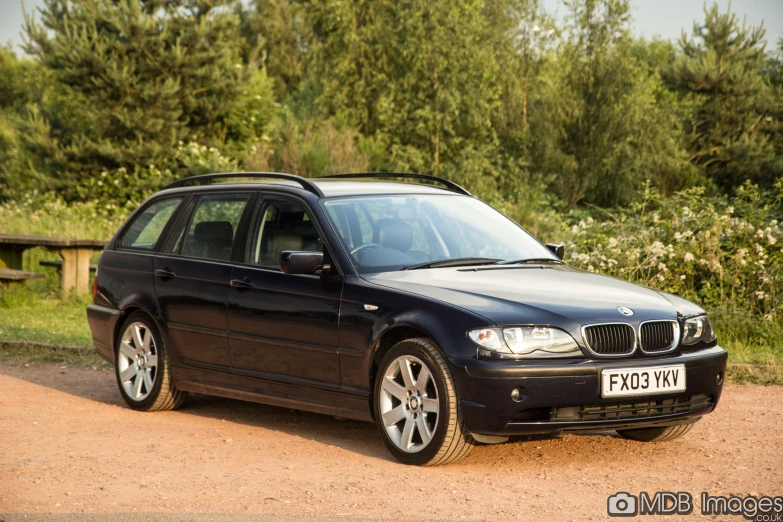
x=631, y=382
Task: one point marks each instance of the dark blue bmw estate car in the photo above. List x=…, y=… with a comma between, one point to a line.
x=418, y=307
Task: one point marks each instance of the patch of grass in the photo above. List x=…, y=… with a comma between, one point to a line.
x=32, y=353
x=755, y=346
x=63, y=323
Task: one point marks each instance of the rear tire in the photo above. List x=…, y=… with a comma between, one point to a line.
x=142, y=367
x=417, y=408
x=660, y=434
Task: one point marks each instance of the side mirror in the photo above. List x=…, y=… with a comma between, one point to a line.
x=557, y=249
x=292, y=262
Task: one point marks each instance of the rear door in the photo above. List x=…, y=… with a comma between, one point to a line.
x=284, y=327
x=192, y=278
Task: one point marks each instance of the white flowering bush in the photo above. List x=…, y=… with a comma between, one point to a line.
x=46, y=214
x=194, y=159
x=724, y=254
x=134, y=186
x=713, y=250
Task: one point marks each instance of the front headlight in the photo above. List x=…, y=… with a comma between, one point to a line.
x=697, y=329
x=530, y=341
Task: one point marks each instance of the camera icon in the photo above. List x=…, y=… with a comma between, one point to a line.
x=622, y=505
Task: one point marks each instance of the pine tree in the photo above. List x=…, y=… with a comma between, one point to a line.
x=598, y=124
x=135, y=78
x=22, y=82
x=277, y=28
x=721, y=66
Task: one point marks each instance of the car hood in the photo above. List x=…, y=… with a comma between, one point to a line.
x=557, y=295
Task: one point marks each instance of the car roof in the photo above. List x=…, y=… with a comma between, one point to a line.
x=330, y=188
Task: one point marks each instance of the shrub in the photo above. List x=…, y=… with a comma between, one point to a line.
x=717, y=251
x=312, y=148
x=46, y=214
x=724, y=253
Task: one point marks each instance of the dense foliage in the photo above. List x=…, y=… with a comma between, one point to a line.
x=712, y=250
x=129, y=81
x=524, y=110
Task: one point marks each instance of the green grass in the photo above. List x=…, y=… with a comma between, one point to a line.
x=22, y=354
x=61, y=323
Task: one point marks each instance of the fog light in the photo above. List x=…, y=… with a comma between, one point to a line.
x=517, y=395
x=720, y=378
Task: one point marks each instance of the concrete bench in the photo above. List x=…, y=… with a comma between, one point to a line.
x=59, y=264
x=9, y=275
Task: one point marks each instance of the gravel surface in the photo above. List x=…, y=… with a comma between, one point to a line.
x=68, y=444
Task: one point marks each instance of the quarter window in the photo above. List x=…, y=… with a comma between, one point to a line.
x=145, y=230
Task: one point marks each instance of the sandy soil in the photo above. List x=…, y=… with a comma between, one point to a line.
x=68, y=444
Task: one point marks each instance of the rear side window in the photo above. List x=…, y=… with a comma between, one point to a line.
x=146, y=228
x=212, y=227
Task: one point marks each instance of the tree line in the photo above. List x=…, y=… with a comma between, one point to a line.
x=114, y=98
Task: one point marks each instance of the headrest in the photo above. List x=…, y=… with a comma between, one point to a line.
x=393, y=233
x=282, y=241
x=214, y=231
x=292, y=217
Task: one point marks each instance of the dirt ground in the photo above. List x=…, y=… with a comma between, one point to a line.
x=68, y=444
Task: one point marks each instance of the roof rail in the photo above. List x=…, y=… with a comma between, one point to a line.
x=366, y=175
x=207, y=178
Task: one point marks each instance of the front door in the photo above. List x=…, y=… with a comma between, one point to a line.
x=284, y=327
x=192, y=278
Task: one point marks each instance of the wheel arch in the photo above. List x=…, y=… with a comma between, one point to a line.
x=388, y=338
x=130, y=306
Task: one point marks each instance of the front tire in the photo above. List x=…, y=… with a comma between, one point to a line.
x=660, y=434
x=416, y=406
x=142, y=367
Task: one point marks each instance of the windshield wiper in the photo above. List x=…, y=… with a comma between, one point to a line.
x=530, y=260
x=461, y=261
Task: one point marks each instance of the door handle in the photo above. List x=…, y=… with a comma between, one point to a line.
x=165, y=273
x=242, y=283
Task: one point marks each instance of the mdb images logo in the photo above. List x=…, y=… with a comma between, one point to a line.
x=760, y=509
x=622, y=504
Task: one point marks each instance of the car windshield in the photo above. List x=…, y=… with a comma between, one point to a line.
x=387, y=233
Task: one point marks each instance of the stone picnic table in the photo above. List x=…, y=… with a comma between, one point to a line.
x=75, y=253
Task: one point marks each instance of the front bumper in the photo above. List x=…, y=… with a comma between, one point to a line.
x=566, y=396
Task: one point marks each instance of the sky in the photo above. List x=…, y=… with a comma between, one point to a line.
x=668, y=18
x=664, y=18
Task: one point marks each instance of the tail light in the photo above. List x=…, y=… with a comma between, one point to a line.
x=95, y=286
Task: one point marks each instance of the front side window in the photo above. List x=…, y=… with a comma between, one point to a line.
x=281, y=224
x=210, y=232
x=404, y=231
x=144, y=232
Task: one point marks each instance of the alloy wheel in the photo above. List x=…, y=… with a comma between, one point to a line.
x=409, y=403
x=137, y=361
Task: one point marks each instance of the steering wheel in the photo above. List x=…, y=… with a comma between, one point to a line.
x=363, y=247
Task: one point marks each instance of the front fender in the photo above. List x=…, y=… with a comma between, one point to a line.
x=362, y=331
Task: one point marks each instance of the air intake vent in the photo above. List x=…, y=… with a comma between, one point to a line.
x=659, y=336
x=610, y=340
x=488, y=268
x=612, y=413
